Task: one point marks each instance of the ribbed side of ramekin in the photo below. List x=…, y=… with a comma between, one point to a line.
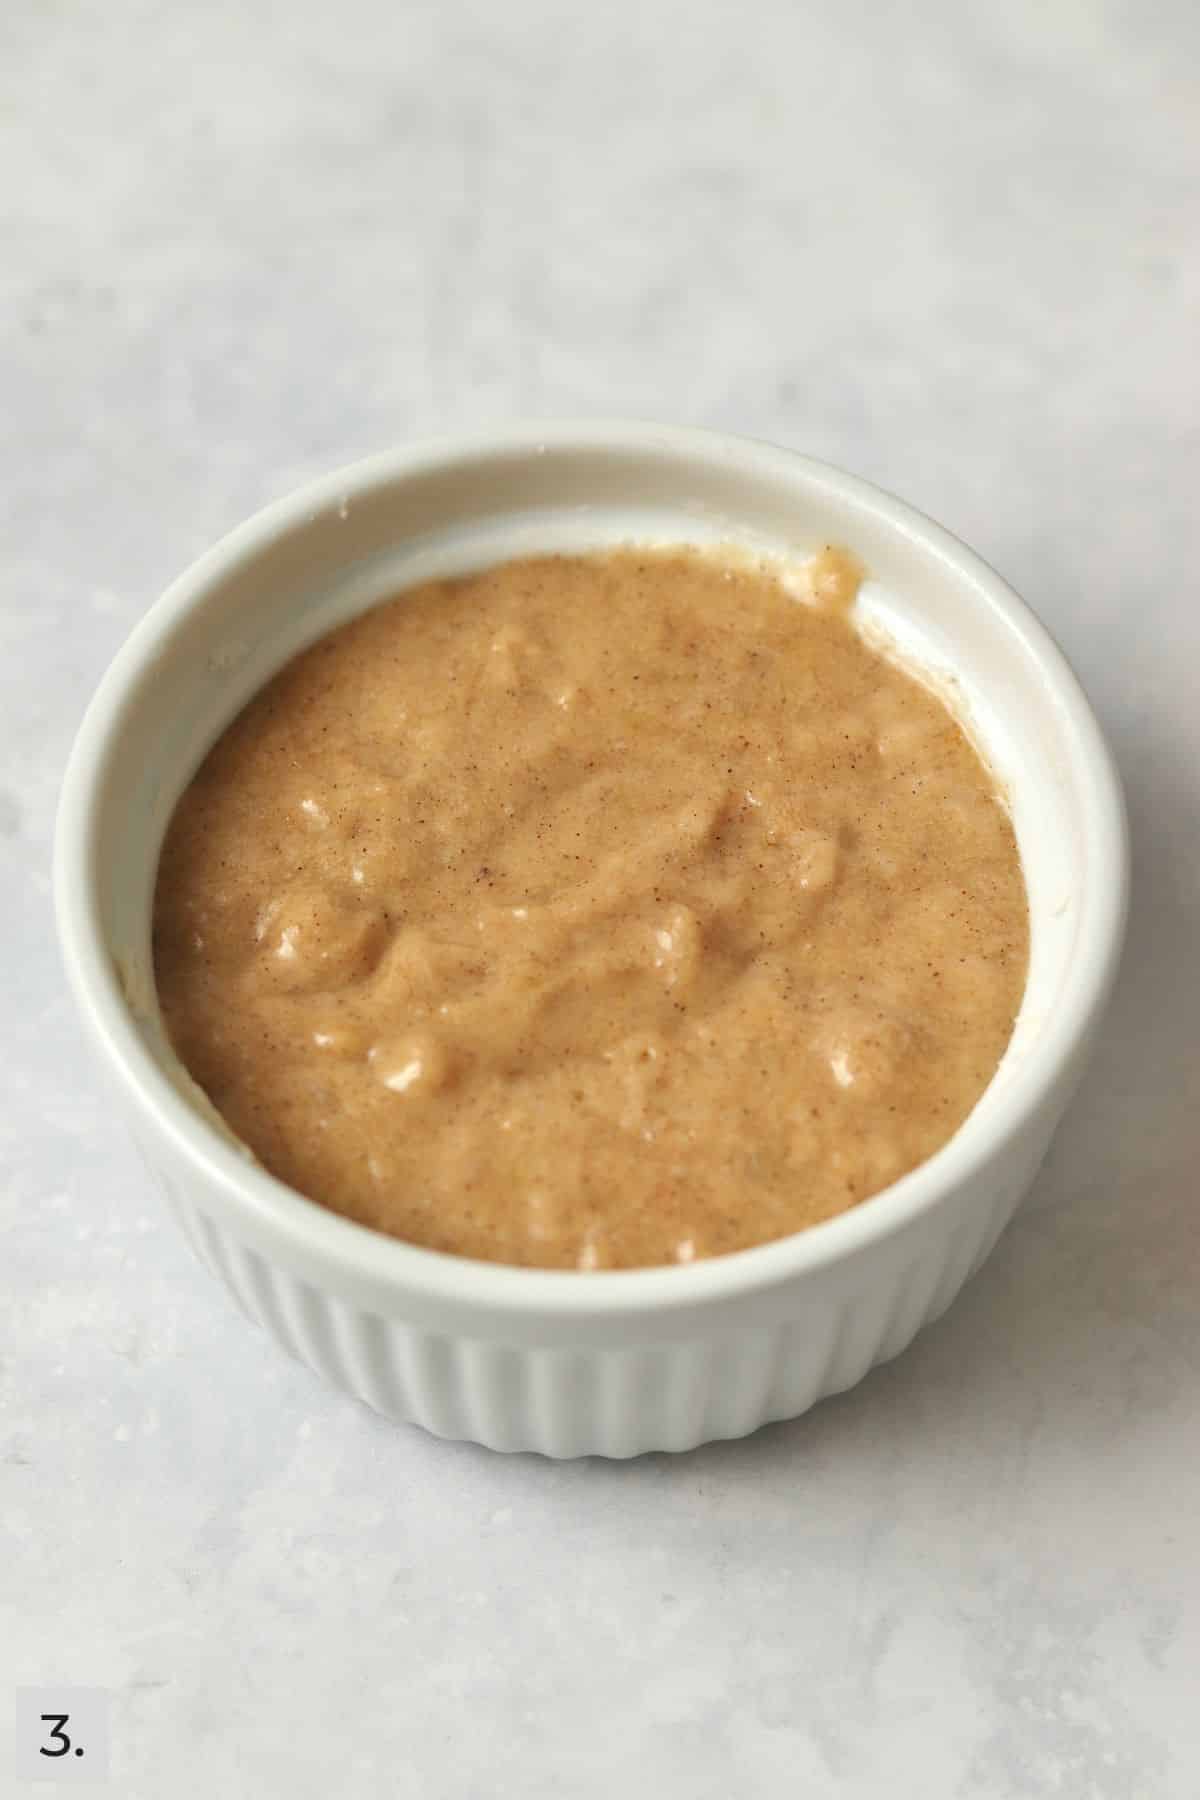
x=618, y=1400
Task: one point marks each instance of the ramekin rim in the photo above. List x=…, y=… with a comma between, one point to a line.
x=362, y=1255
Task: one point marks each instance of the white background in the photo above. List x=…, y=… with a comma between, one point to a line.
x=953, y=247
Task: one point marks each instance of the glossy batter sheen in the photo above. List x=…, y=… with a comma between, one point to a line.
x=593, y=912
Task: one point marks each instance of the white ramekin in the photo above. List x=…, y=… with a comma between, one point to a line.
x=619, y=1362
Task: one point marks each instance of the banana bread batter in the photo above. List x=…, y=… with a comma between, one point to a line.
x=593, y=912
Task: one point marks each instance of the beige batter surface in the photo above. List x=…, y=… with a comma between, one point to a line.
x=593, y=912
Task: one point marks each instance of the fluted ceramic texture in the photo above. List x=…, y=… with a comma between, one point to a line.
x=609, y=1401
